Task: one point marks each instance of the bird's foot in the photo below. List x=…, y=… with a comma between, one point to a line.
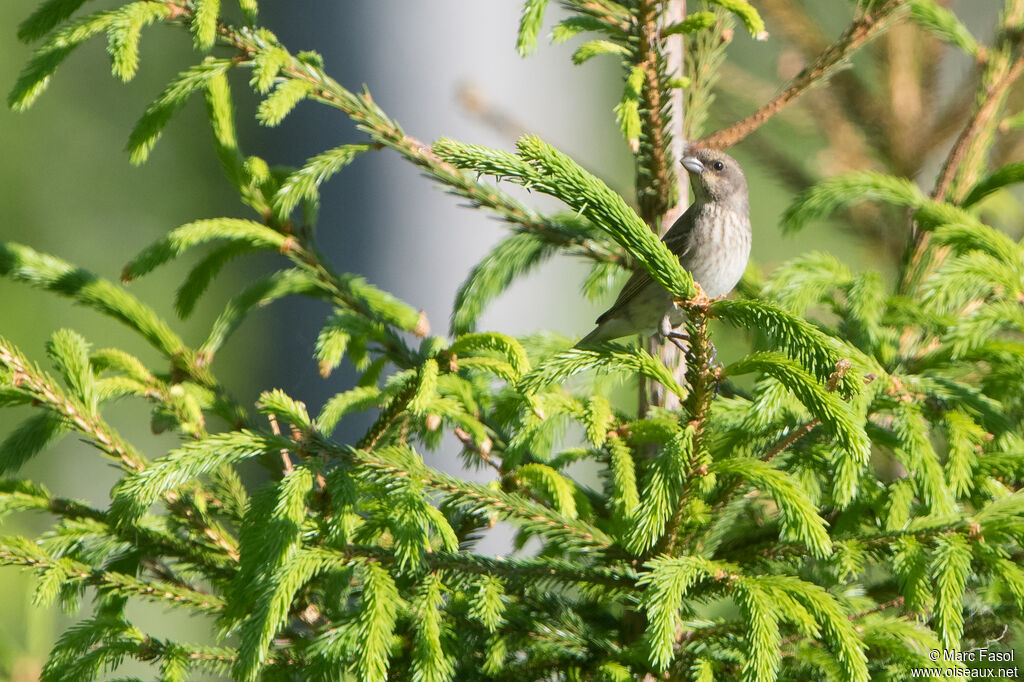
x=679, y=339
x=681, y=342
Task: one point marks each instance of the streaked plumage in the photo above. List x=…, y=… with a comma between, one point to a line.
x=712, y=240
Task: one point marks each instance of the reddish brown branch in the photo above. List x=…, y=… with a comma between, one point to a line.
x=654, y=191
x=858, y=33
x=989, y=107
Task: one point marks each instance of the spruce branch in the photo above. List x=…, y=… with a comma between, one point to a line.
x=369, y=118
x=397, y=463
x=25, y=377
x=315, y=83
x=151, y=541
x=512, y=568
x=388, y=417
x=15, y=553
x=784, y=443
x=23, y=264
x=611, y=14
x=703, y=378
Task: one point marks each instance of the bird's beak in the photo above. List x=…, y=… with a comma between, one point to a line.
x=693, y=164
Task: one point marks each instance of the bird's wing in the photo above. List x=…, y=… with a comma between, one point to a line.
x=677, y=240
x=633, y=286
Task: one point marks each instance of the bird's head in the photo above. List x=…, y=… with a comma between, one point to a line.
x=715, y=176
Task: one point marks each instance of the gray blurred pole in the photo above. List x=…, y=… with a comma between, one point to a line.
x=669, y=353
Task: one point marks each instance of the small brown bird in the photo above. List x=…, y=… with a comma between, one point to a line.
x=712, y=240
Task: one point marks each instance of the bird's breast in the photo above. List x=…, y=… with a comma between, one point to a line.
x=718, y=249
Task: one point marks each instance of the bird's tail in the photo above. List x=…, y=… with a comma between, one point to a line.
x=604, y=331
x=590, y=339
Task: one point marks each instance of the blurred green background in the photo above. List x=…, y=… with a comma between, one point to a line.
x=447, y=69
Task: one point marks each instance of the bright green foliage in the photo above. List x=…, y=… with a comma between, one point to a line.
x=822, y=404
x=513, y=257
x=627, y=112
x=124, y=33
x=1015, y=122
x=588, y=51
x=260, y=293
x=149, y=128
x=663, y=483
x=282, y=100
x=529, y=26
x=745, y=12
x=573, y=26
x=667, y=581
x=35, y=77
x=837, y=192
x=185, y=237
x=540, y=167
x=841, y=495
x=204, y=23
x=46, y=17
x=696, y=21
x=1009, y=174
x=22, y=264
x=844, y=190
x=608, y=358
x=944, y=24
x=303, y=183
x=30, y=438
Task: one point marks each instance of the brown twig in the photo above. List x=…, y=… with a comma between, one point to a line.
x=906, y=109
x=789, y=439
x=859, y=32
x=286, y=459
x=483, y=450
x=847, y=91
x=983, y=116
x=474, y=101
x=891, y=604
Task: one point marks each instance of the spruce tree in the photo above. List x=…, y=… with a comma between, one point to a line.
x=834, y=501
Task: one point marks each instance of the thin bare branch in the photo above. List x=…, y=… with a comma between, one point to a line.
x=863, y=29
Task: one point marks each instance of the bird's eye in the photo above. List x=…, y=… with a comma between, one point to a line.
x=718, y=165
